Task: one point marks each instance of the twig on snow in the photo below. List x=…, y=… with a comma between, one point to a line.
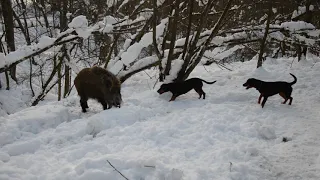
x=205, y=68
x=117, y=170
x=155, y=83
x=149, y=166
x=292, y=62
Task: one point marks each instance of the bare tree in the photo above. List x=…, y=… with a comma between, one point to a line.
x=154, y=39
x=63, y=26
x=173, y=33
x=263, y=41
x=196, y=53
x=7, y=13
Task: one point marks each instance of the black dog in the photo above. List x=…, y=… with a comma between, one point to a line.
x=267, y=89
x=179, y=88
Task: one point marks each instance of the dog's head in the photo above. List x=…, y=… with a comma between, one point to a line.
x=163, y=88
x=251, y=83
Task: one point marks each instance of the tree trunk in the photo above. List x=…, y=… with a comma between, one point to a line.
x=64, y=26
x=263, y=41
x=67, y=80
x=113, y=48
x=283, y=48
x=60, y=59
x=25, y=32
x=154, y=40
x=173, y=33
x=7, y=13
x=185, y=47
x=308, y=19
x=6, y=72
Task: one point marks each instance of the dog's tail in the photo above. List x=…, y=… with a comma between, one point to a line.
x=208, y=82
x=295, y=79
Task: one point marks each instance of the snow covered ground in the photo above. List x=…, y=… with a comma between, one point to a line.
x=226, y=136
x=15, y=99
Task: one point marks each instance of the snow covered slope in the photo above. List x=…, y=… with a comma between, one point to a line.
x=15, y=99
x=226, y=136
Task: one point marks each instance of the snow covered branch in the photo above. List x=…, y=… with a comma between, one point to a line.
x=20, y=55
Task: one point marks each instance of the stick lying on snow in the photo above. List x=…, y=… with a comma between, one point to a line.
x=117, y=170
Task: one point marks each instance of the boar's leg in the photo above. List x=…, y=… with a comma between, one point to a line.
x=84, y=104
x=109, y=105
x=104, y=104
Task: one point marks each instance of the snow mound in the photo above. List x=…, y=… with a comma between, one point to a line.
x=4, y=157
x=31, y=121
x=12, y=101
x=267, y=132
x=260, y=72
x=22, y=147
x=297, y=25
x=113, y=118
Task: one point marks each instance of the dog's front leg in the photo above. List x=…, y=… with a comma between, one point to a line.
x=173, y=97
x=264, y=101
x=260, y=98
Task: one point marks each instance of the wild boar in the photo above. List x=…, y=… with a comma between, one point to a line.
x=100, y=84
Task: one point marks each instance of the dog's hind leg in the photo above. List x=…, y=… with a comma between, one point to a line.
x=264, y=101
x=290, y=100
x=204, y=94
x=200, y=92
x=287, y=95
x=259, y=100
x=284, y=97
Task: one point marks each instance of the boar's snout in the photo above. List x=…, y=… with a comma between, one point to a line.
x=117, y=100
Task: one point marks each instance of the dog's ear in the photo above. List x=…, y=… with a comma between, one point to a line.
x=164, y=86
x=251, y=80
x=161, y=87
x=246, y=82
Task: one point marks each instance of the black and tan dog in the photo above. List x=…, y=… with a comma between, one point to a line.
x=179, y=88
x=268, y=89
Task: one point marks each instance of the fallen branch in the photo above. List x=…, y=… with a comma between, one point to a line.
x=117, y=170
x=149, y=166
x=126, y=76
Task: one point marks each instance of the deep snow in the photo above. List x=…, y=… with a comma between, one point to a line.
x=226, y=136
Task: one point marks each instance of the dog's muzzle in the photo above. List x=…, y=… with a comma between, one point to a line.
x=247, y=86
x=160, y=91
